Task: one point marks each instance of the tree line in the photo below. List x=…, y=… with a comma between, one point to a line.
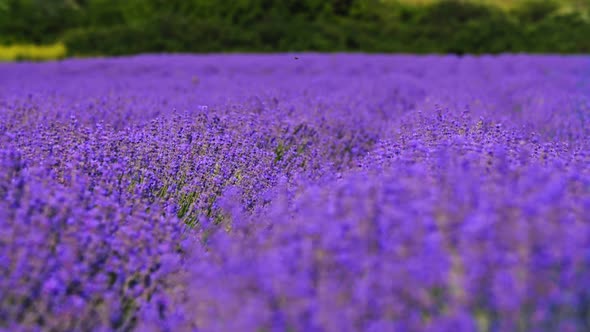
x=114, y=27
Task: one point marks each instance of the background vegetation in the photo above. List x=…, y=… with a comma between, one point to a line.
x=32, y=52
x=114, y=27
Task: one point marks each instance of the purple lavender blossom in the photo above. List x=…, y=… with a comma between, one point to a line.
x=335, y=193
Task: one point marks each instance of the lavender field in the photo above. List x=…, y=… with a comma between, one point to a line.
x=271, y=193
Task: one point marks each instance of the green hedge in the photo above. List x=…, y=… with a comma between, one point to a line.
x=112, y=27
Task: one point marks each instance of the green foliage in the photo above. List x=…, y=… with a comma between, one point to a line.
x=112, y=27
x=36, y=21
x=535, y=10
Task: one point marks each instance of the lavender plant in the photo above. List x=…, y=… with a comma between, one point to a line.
x=332, y=193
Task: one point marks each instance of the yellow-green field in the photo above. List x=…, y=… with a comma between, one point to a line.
x=32, y=52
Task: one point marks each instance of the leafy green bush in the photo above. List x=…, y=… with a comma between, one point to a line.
x=535, y=10
x=112, y=27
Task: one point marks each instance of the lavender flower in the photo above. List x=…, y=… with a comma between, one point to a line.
x=337, y=193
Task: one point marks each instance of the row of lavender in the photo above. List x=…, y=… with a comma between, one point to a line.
x=267, y=193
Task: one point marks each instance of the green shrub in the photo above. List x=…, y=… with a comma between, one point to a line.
x=111, y=27
x=535, y=10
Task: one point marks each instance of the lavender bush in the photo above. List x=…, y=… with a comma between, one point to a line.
x=267, y=193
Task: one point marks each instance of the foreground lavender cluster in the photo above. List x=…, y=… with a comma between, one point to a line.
x=265, y=193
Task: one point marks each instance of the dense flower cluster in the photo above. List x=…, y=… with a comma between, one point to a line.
x=267, y=193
